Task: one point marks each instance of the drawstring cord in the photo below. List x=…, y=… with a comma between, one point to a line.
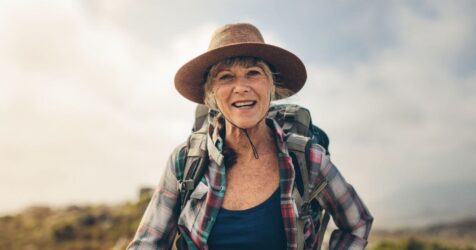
x=255, y=152
x=244, y=130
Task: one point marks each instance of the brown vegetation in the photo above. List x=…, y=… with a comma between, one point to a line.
x=112, y=227
x=74, y=227
x=456, y=235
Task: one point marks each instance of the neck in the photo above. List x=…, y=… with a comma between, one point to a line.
x=260, y=135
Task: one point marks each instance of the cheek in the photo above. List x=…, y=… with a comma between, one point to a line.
x=267, y=91
x=219, y=95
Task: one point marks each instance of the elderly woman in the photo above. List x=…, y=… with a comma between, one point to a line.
x=245, y=199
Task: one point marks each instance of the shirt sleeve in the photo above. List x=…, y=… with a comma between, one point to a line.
x=339, y=198
x=159, y=223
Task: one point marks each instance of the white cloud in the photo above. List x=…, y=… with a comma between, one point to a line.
x=84, y=105
x=403, y=114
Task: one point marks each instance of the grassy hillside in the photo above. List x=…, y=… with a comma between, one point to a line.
x=454, y=235
x=112, y=227
x=413, y=243
x=73, y=228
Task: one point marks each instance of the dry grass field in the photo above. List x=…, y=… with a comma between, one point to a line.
x=112, y=227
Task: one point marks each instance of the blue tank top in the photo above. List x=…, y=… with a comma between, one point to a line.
x=259, y=227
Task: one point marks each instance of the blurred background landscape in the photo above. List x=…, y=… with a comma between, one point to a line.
x=113, y=226
x=89, y=113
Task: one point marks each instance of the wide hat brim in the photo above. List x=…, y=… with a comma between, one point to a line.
x=289, y=70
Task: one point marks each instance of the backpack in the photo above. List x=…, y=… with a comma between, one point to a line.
x=300, y=133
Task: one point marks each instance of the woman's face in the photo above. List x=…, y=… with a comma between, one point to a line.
x=242, y=94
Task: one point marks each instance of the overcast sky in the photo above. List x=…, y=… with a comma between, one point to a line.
x=89, y=113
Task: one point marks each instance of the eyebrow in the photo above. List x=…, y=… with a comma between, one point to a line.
x=217, y=71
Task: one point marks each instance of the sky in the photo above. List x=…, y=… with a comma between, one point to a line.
x=89, y=113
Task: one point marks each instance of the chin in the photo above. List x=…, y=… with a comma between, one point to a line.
x=245, y=123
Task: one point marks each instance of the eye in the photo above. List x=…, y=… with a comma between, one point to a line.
x=224, y=77
x=254, y=73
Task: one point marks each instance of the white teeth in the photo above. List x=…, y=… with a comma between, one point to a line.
x=241, y=104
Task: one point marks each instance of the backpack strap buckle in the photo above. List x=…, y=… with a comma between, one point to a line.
x=185, y=185
x=289, y=115
x=304, y=213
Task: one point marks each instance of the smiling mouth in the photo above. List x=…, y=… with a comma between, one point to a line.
x=244, y=104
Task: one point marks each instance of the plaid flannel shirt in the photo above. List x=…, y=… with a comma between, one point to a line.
x=162, y=218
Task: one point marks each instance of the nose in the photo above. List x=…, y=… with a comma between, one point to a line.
x=242, y=85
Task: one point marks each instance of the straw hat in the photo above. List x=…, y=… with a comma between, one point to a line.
x=234, y=40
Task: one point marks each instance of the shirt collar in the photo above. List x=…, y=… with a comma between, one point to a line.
x=215, y=141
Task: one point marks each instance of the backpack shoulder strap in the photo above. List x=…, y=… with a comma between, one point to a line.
x=299, y=146
x=296, y=119
x=292, y=118
x=203, y=115
x=195, y=164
